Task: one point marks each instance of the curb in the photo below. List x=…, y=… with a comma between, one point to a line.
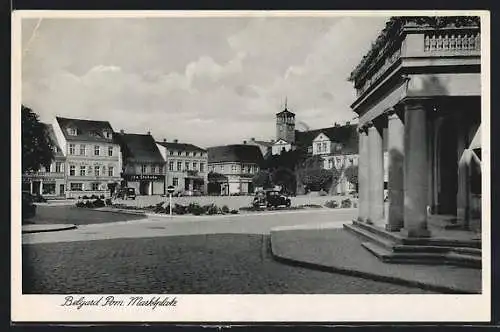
x=367, y=275
x=46, y=230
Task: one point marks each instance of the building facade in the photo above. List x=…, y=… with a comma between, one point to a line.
x=186, y=166
x=51, y=182
x=93, y=158
x=143, y=164
x=421, y=83
x=237, y=164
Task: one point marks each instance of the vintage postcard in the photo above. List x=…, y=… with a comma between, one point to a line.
x=251, y=166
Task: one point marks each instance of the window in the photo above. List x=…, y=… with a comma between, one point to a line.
x=175, y=182
x=110, y=151
x=179, y=166
x=221, y=167
x=76, y=186
x=144, y=169
x=330, y=163
x=179, y=153
x=195, y=166
x=71, y=149
x=318, y=147
x=171, y=153
x=82, y=149
x=95, y=186
x=82, y=170
x=171, y=166
x=194, y=154
x=187, y=165
x=324, y=146
x=233, y=168
x=49, y=189
x=96, y=170
x=72, y=131
x=351, y=161
x=72, y=170
x=58, y=167
x=110, y=171
x=107, y=134
x=160, y=169
x=96, y=150
x=202, y=167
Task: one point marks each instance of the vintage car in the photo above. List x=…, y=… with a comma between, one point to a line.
x=126, y=193
x=271, y=198
x=29, y=209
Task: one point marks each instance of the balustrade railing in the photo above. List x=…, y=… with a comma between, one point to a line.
x=452, y=41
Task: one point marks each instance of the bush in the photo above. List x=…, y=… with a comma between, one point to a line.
x=332, y=204
x=108, y=202
x=359, y=219
x=94, y=196
x=233, y=211
x=314, y=206
x=211, y=209
x=98, y=203
x=224, y=209
x=88, y=204
x=322, y=193
x=101, y=197
x=179, y=209
x=85, y=197
x=80, y=204
x=346, y=203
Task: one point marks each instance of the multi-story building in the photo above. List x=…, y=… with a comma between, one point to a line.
x=93, y=158
x=51, y=182
x=143, y=164
x=237, y=164
x=186, y=166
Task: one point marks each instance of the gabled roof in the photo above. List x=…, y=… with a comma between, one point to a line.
x=285, y=112
x=235, y=153
x=138, y=148
x=346, y=136
x=87, y=130
x=181, y=146
x=263, y=143
x=281, y=141
x=52, y=136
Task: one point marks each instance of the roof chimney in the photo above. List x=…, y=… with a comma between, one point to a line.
x=149, y=133
x=252, y=139
x=347, y=123
x=122, y=131
x=176, y=140
x=164, y=140
x=244, y=142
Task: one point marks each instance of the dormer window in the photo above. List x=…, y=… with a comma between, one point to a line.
x=72, y=131
x=107, y=134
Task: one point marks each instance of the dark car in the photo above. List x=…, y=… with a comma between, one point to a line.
x=126, y=193
x=29, y=209
x=271, y=198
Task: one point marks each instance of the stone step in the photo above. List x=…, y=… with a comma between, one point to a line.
x=389, y=256
x=370, y=236
x=377, y=230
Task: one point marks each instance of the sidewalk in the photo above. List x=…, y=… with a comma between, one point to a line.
x=335, y=250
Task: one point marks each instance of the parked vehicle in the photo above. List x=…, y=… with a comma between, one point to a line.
x=29, y=209
x=126, y=193
x=271, y=198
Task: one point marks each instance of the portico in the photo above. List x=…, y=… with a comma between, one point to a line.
x=420, y=84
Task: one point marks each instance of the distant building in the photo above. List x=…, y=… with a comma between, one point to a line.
x=93, y=158
x=186, y=166
x=237, y=164
x=49, y=182
x=143, y=164
x=264, y=146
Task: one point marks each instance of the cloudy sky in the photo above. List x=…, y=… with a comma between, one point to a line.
x=207, y=81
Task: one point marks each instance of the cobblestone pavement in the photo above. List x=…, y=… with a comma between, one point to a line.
x=196, y=264
x=70, y=214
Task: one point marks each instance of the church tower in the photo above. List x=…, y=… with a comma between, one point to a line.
x=285, y=125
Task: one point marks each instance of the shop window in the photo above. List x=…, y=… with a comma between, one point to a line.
x=95, y=186
x=82, y=170
x=76, y=186
x=49, y=189
x=72, y=170
x=111, y=171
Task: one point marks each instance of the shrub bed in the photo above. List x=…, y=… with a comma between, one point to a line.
x=97, y=203
x=332, y=204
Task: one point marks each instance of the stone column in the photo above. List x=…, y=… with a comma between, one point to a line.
x=415, y=173
x=363, y=170
x=463, y=202
x=396, y=152
x=376, y=173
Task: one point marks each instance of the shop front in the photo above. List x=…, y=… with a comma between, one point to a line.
x=146, y=184
x=47, y=186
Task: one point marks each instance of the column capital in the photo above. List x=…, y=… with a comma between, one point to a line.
x=369, y=124
x=419, y=103
x=362, y=129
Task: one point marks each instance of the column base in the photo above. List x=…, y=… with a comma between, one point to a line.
x=393, y=228
x=415, y=233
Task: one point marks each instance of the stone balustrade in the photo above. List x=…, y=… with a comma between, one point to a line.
x=452, y=41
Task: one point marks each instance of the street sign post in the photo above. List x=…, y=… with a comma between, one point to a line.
x=170, y=190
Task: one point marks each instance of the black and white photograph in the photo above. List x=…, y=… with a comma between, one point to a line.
x=329, y=166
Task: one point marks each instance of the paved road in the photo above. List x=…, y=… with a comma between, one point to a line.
x=194, y=264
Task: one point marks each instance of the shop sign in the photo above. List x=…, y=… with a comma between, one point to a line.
x=144, y=177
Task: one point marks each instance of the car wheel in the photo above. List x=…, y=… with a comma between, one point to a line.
x=288, y=203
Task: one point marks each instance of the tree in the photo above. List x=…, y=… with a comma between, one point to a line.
x=285, y=178
x=351, y=174
x=36, y=143
x=262, y=179
x=317, y=179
